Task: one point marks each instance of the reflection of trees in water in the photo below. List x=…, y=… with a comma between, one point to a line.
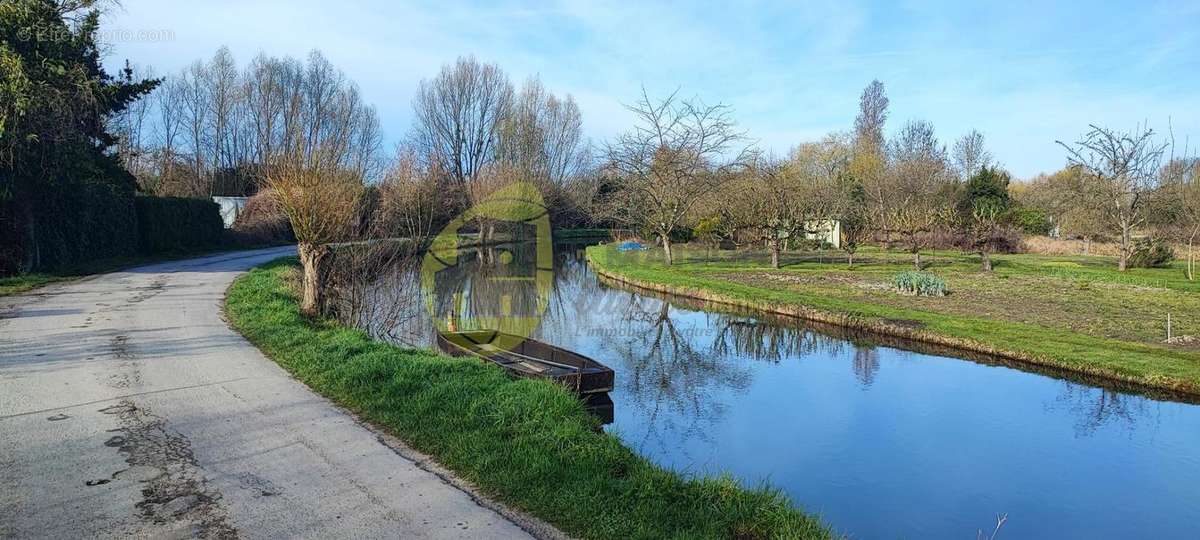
x=750, y=337
x=576, y=299
x=1094, y=408
x=866, y=364
x=487, y=286
x=670, y=382
x=755, y=339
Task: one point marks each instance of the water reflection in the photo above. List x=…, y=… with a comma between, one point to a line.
x=1095, y=408
x=866, y=365
x=671, y=384
x=883, y=438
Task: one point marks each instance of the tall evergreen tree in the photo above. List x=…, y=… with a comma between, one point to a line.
x=56, y=163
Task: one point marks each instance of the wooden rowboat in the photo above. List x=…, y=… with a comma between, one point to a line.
x=530, y=358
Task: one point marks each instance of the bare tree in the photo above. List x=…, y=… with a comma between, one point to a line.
x=1121, y=172
x=542, y=137
x=229, y=124
x=224, y=92
x=168, y=106
x=321, y=200
x=413, y=199
x=196, y=109
x=458, y=114
x=970, y=155
x=264, y=92
x=914, y=198
x=679, y=151
x=488, y=180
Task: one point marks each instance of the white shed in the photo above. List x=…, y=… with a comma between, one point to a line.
x=231, y=207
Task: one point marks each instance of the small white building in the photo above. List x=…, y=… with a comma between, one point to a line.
x=231, y=208
x=828, y=231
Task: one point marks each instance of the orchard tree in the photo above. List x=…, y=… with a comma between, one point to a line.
x=678, y=152
x=1120, y=173
x=767, y=201
x=914, y=197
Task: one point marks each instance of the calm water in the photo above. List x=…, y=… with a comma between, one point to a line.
x=880, y=441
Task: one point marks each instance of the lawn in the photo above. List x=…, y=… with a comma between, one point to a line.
x=1074, y=313
x=529, y=444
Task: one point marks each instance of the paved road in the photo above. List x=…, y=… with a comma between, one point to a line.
x=129, y=408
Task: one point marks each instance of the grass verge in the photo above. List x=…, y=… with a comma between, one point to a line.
x=528, y=444
x=1035, y=322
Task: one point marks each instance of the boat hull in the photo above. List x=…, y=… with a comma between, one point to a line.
x=530, y=358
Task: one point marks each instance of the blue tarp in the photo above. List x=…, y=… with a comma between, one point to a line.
x=630, y=246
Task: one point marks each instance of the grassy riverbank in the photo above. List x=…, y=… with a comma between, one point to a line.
x=1073, y=313
x=529, y=444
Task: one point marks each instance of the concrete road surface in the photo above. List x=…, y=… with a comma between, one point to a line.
x=129, y=408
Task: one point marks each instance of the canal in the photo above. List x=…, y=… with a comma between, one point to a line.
x=882, y=439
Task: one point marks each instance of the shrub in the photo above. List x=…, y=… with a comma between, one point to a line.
x=1032, y=221
x=168, y=224
x=943, y=239
x=708, y=230
x=915, y=283
x=1003, y=239
x=262, y=222
x=1151, y=253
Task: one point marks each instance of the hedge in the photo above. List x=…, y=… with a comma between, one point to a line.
x=74, y=223
x=167, y=224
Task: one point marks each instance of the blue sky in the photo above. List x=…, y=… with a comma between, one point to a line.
x=1023, y=73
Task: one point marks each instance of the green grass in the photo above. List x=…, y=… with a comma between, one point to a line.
x=529, y=444
x=26, y=282
x=562, y=234
x=1073, y=313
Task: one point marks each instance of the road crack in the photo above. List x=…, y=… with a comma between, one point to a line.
x=175, y=493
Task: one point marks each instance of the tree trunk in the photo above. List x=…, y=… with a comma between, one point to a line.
x=985, y=259
x=666, y=240
x=850, y=259
x=1126, y=241
x=1087, y=245
x=1191, y=262
x=775, y=253
x=32, y=258
x=313, y=259
x=917, y=259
